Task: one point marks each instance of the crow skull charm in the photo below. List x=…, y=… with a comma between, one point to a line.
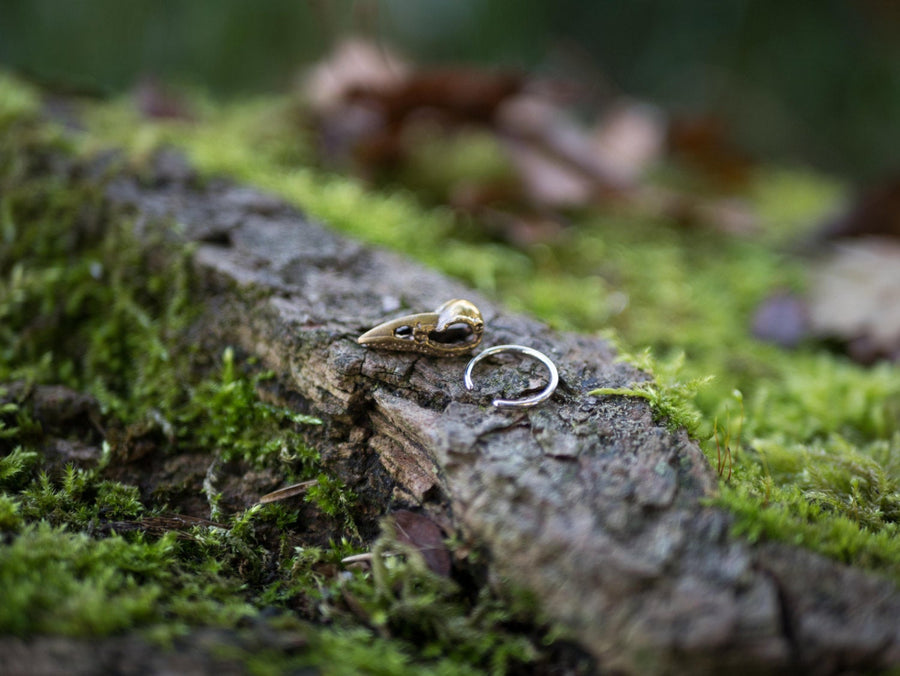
x=455, y=328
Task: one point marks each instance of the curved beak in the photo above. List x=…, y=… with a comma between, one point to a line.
x=401, y=333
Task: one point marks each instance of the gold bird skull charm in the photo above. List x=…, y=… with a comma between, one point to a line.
x=455, y=328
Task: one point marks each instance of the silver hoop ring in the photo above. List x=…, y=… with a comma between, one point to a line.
x=521, y=349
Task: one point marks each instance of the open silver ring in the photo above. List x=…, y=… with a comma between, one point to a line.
x=521, y=349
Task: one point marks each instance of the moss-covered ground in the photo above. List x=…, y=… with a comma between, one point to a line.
x=806, y=442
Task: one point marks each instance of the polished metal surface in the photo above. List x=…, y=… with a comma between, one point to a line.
x=526, y=402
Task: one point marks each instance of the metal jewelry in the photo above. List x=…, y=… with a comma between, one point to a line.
x=454, y=328
x=521, y=349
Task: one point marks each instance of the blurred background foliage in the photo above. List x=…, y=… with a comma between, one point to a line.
x=811, y=82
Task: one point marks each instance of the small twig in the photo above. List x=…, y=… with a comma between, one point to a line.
x=287, y=492
x=365, y=556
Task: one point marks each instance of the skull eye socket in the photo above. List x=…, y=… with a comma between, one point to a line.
x=404, y=332
x=458, y=333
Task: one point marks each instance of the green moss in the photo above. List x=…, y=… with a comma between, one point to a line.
x=670, y=397
x=80, y=500
x=10, y=515
x=228, y=414
x=347, y=652
x=66, y=583
x=15, y=466
x=331, y=496
x=18, y=101
x=70, y=312
x=81, y=306
x=403, y=598
x=60, y=582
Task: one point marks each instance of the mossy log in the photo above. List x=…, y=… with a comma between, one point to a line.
x=588, y=503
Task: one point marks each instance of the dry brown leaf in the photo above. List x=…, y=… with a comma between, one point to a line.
x=702, y=143
x=424, y=534
x=456, y=95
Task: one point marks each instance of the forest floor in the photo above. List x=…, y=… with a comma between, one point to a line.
x=94, y=376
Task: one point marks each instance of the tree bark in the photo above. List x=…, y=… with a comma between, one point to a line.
x=586, y=502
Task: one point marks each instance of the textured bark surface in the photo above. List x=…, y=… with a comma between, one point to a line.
x=587, y=502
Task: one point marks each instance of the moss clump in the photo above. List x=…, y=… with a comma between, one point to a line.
x=59, y=582
x=671, y=398
x=227, y=413
x=410, y=601
x=80, y=500
x=807, y=444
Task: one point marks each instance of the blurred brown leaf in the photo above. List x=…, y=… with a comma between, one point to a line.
x=458, y=95
x=702, y=143
x=729, y=215
x=546, y=181
x=424, y=534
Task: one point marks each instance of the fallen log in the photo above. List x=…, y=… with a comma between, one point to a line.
x=586, y=502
